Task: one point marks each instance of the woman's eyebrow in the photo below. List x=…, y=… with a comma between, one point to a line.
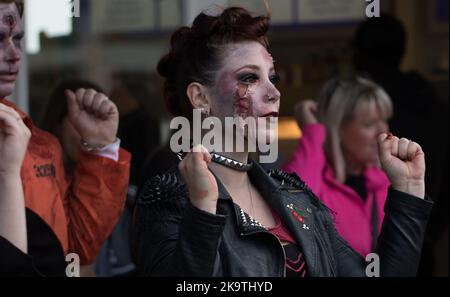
x=254, y=67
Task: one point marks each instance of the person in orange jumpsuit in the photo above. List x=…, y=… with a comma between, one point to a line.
x=43, y=216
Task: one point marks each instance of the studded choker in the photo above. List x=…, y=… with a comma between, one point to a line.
x=231, y=163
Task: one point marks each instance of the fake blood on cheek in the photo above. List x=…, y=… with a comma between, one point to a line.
x=231, y=91
x=243, y=105
x=245, y=97
x=249, y=101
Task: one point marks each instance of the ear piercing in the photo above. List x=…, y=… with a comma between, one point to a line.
x=204, y=111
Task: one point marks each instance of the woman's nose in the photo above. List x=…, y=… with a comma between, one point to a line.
x=273, y=95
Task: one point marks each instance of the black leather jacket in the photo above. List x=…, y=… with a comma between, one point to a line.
x=171, y=237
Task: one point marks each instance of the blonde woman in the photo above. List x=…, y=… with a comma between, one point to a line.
x=338, y=156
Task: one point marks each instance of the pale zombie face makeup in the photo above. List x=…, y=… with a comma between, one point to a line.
x=11, y=35
x=246, y=85
x=253, y=92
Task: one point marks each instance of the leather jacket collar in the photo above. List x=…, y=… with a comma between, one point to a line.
x=283, y=197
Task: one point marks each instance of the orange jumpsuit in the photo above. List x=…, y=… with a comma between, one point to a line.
x=81, y=213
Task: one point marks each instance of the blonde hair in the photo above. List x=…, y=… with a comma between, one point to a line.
x=337, y=102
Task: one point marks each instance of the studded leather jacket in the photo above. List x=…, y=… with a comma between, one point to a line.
x=171, y=237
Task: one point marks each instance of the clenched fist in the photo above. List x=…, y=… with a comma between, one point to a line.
x=14, y=137
x=93, y=115
x=305, y=113
x=404, y=163
x=201, y=184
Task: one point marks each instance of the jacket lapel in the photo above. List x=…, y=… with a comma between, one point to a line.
x=295, y=210
x=245, y=223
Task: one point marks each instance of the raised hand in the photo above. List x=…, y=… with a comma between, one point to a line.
x=404, y=163
x=14, y=137
x=93, y=115
x=201, y=184
x=305, y=113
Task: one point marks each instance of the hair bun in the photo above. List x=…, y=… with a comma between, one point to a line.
x=178, y=42
x=234, y=24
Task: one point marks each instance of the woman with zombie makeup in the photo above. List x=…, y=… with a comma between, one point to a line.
x=337, y=156
x=221, y=214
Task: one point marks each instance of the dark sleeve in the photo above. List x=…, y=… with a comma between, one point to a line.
x=14, y=262
x=400, y=241
x=402, y=233
x=175, y=238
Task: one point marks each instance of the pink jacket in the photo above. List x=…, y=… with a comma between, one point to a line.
x=353, y=215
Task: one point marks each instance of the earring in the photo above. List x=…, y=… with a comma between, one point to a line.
x=205, y=111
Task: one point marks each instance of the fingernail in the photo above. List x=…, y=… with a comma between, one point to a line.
x=389, y=136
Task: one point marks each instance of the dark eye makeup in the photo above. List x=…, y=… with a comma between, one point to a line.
x=275, y=79
x=250, y=78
